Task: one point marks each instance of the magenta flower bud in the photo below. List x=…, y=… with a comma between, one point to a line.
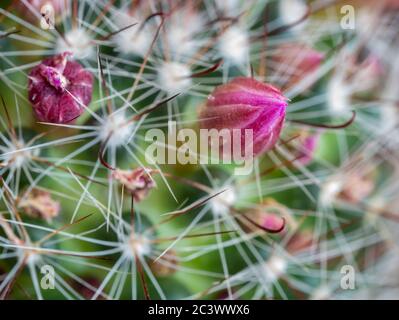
x=245, y=103
x=299, y=61
x=59, y=90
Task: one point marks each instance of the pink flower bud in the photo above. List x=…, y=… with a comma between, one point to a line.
x=245, y=103
x=269, y=215
x=299, y=61
x=59, y=90
x=137, y=182
x=271, y=221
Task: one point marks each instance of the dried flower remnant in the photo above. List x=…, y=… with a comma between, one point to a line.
x=300, y=62
x=245, y=103
x=138, y=182
x=39, y=204
x=59, y=90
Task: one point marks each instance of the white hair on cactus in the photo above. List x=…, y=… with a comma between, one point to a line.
x=174, y=77
x=116, y=129
x=338, y=94
x=234, y=45
x=221, y=203
x=78, y=42
x=275, y=267
x=183, y=28
x=16, y=156
x=330, y=190
x=292, y=11
x=136, y=244
x=134, y=40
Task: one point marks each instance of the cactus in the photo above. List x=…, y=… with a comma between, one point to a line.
x=109, y=187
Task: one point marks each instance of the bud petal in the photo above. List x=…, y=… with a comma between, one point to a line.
x=245, y=103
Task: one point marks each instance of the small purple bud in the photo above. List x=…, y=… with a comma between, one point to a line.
x=245, y=103
x=59, y=90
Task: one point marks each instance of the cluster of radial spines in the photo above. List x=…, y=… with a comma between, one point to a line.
x=175, y=52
